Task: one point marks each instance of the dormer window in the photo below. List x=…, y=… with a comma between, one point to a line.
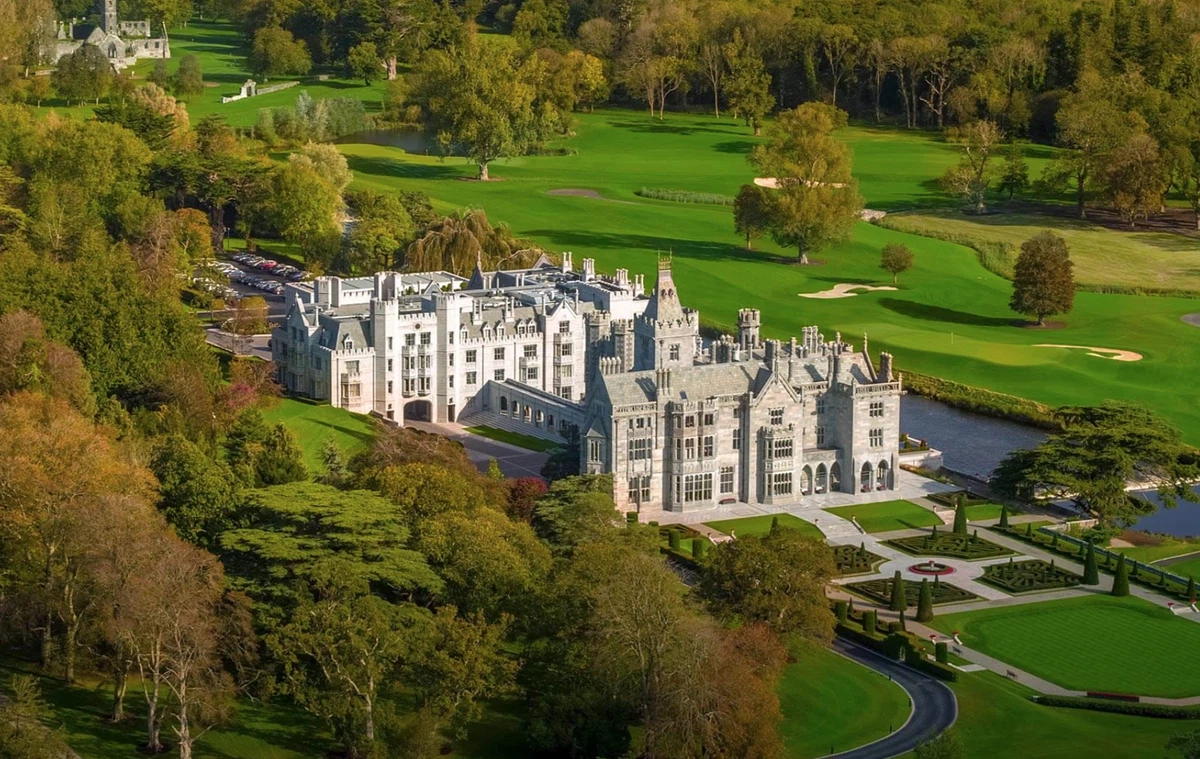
x=347, y=343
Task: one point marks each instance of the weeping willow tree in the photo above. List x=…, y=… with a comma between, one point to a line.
x=454, y=242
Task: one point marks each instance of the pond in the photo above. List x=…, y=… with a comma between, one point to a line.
x=409, y=140
x=971, y=444
x=1182, y=521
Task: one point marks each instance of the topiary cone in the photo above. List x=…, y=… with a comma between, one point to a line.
x=960, y=519
x=1191, y=589
x=925, y=603
x=898, y=603
x=1091, y=572
x=1121, y=581
x=1003, y=517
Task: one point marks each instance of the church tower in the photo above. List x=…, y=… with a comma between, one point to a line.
x=108, y=20
x=665, y=334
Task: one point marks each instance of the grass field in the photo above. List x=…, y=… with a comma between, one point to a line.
x=1095, y=642
x=313, y=423
x=949, y=317
x=1186, y=568
x=996, y=720
x=1165, y=549
x=761, y=525
x=888, y=515
x=528, y=442
x=830, y=701
x=1102, y=256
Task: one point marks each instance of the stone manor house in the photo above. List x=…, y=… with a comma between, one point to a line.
x=680, y=422
x=122, y=42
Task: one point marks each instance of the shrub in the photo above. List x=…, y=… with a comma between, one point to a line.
x=1003, y=516
x=925, y=603
x=1121, y=580
x=870, y=621
x=673, y=539
x=631, y=517
x=898, y=602
x=960, y=518
x=685, y=196
x=1137, y=709
x=941, y=652
x=842, y=610
x=699, y=547
x=1191, y=589
x=1091, y=572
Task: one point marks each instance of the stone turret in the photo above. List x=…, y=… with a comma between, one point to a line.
x=666, y=332
x=748, y=324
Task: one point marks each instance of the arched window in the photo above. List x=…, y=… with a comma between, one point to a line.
x=865, y=480
x=806, y=480
x=835, y=478
x=822, y=479
x=503, y=403
x=881, y=481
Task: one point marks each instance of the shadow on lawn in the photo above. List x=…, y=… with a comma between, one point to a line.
x=930, y=313
x=390, y=167
x=365, y=437
x=741, y=147
x=654, y=126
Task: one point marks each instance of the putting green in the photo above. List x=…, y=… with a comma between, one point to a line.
x=1093, y=642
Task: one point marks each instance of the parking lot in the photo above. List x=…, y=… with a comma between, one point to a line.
x=249, y=275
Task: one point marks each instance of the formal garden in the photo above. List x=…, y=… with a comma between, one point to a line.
x=955, y=545
x=855, y=560
x=1092, y=642
x=761, y=525
x=1028, y=576
x=880, y=591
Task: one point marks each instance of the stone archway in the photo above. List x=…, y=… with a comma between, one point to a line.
x=822, y=485
x=806, y=480
x=881, y=481
x=866, y=476
x=835, y=478
x=418, y=411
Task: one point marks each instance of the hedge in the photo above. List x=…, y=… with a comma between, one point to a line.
x=888, y=647
x=1161, y=711
x=981, y=401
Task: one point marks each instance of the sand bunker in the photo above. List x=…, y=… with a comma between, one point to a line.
x=1192, y=319
x=843, y=290
x=1114, y=353
x=574, y=193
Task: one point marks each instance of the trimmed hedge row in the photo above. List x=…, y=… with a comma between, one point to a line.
x=685, y=196
x=890, y=646
x=1161, y=711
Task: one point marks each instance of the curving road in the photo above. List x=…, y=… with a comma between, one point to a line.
x=934, y=706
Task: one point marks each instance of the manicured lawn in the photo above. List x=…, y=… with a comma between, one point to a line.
x=996, y=720
x=313, y=423
x=830, y=701
x=1164, y=550
x=761, y=525
x=1102, y=256
x=888, y=515
x=983, y=512
x=949, y=317
x=1186, y=568
x=1095, y=642
x=515, y=438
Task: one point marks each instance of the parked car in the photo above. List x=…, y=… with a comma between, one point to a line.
x=297, y=276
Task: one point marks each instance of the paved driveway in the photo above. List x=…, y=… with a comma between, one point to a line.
x=514, y=461
x=934, y=706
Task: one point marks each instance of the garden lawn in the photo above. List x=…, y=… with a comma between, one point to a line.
x=1102, y=256
x=984, y=512
x=830, y=701
x=761, y=525
x=996, y=720
x=528, y=442
x=1094, y=642
x=888, y=515
x=949, y=317
x=1165, y=550
x=1186, y=568
x=313, y=423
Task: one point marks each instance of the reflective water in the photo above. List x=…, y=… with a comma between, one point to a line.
x=408, y=140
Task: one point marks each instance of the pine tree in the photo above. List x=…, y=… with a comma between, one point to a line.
x=898, y=601
x=1091, y=573
x=1029, y=530
x=925, y=603
x=1003, y=517
x=1121, y=581
x=960, y=518
x=774, y=524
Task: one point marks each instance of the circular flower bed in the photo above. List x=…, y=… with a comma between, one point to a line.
x=931, y=568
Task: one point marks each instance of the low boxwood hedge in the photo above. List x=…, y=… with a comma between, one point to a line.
x=1137, y=709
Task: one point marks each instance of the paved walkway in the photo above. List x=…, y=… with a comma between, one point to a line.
x=514, y=461
x=934, y=707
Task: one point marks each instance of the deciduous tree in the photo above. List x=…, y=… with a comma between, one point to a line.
x=1043, y=283
x=896, y=259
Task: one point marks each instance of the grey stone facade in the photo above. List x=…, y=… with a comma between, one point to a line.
x=741, y=421
x=122, y=42
x=681, y=424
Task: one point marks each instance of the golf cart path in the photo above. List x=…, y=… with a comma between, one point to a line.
x=934, y=707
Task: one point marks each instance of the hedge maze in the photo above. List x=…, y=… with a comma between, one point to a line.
x=955, y=545
x=880, y=591
x=1028, y=576
x=855, y=560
